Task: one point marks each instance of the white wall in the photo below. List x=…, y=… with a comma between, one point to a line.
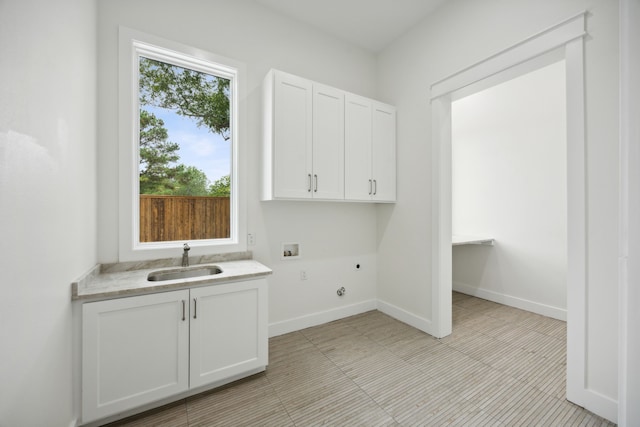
x=459, y=34
x=47, y=199
x=333, y=236
x=509, y=178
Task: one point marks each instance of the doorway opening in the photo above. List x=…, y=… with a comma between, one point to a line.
x=509, y=181
x=561, y=41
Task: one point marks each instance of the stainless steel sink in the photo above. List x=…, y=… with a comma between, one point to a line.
x=184, y=273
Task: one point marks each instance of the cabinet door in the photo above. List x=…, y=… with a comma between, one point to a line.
x=384, y=152
x=134, y=351
x=357, y=148
x=292, y=149
x=228, y=330
x=328, y=143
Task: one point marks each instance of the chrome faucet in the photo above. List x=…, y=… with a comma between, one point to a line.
x=185, y=255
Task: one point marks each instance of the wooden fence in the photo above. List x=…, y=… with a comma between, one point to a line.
x=166, y=218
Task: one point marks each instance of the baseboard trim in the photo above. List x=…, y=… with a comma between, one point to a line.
x=425, y=325
x=406, y=317
x=535, y=307
x=314, y=319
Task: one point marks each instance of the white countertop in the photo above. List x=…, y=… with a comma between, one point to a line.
x=471, y=240
x=96, y=285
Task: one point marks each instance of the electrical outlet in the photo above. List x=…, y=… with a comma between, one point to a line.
x=303, y=275
x=251, y=239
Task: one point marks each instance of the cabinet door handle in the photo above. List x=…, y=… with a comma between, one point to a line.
x=195, y=308
x=315, y=185
x=183, y=310
x=375, y=187
x=309, y=189
x=370, y=190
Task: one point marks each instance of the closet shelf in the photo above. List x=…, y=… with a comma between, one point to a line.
x=471, y=240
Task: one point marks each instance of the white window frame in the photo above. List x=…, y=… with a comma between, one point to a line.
x=132, y=45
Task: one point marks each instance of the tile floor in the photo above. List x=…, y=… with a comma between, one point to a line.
x=500, y=367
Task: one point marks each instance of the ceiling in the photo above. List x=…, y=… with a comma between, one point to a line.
x=370, y=24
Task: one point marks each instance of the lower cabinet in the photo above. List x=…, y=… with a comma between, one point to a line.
x=228, y=331
x=141, y=349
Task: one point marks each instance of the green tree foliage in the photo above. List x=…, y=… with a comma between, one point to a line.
x=221, y=188
x=193, y=94
x=199, y=96
x=156, y=156
x=190, y=181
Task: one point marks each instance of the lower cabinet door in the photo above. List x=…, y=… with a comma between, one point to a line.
x=228, y=330
x=134, y=351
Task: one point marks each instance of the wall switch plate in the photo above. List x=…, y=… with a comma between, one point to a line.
x=251, y=239
x=303, y=275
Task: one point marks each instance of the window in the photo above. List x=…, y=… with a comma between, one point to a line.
x=179, y=149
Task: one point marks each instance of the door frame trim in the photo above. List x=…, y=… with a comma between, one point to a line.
x=563, y=40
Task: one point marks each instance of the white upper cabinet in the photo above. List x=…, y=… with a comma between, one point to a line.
x=383, y=156
x=328, y=143
x=304, y=139
x=357, y=151
x=324, y=143
x=370, y=150
x=292, y=134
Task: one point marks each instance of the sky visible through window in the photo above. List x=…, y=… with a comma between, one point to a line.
x=199, y=147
